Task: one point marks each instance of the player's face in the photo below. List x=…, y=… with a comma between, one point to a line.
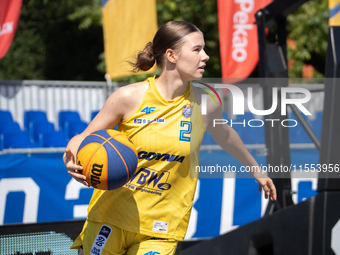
x=192, y=58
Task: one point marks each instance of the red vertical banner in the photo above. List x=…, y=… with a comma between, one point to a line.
x=9, y=17
x=238, y=36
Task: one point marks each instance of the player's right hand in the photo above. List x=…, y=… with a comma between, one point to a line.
x=73, y=169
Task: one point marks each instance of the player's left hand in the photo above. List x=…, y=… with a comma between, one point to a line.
x=268, y=187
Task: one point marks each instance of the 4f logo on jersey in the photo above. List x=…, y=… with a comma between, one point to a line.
x=148, y=110
x=150, y=181
x=152, y=253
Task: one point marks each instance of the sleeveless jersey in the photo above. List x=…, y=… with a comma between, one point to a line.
x=157, y=201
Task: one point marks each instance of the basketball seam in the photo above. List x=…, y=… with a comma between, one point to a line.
x=126, y=168
x=134, y=150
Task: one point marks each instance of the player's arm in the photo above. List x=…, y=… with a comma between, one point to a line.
x=231, y=142
x=117, y=107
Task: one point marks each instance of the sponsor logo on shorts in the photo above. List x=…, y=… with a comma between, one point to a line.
x=150, y=181
x=148, y=121
x=105, y=232
x=100, y=240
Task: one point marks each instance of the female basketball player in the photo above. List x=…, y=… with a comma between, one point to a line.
x=151, y=214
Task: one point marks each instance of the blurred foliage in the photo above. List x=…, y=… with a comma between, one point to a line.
x=202, y=13
x=90, y=14
x=308, y=28
x=63, y=40
x=50, y=46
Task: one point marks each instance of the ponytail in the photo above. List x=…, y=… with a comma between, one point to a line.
x=169, y=36
x=145, y=59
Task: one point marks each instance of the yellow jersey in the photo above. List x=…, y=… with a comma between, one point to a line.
x=157, y=201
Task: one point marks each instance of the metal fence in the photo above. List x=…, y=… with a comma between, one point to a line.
x=86, y=97
x=53, y=96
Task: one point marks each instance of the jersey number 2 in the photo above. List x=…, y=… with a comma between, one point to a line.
x=184, y=134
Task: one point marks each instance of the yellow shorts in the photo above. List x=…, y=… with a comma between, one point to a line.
x=104, y=239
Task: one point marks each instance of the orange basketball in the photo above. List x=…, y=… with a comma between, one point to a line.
x=109, y=159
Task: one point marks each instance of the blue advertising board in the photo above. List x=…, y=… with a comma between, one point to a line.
x=37, y=188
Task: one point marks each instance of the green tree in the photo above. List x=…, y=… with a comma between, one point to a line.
x=308, y=28
x=63, y=40
x=201, y=13
x=90, y=14
x=60, y=39
x=48, y=45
